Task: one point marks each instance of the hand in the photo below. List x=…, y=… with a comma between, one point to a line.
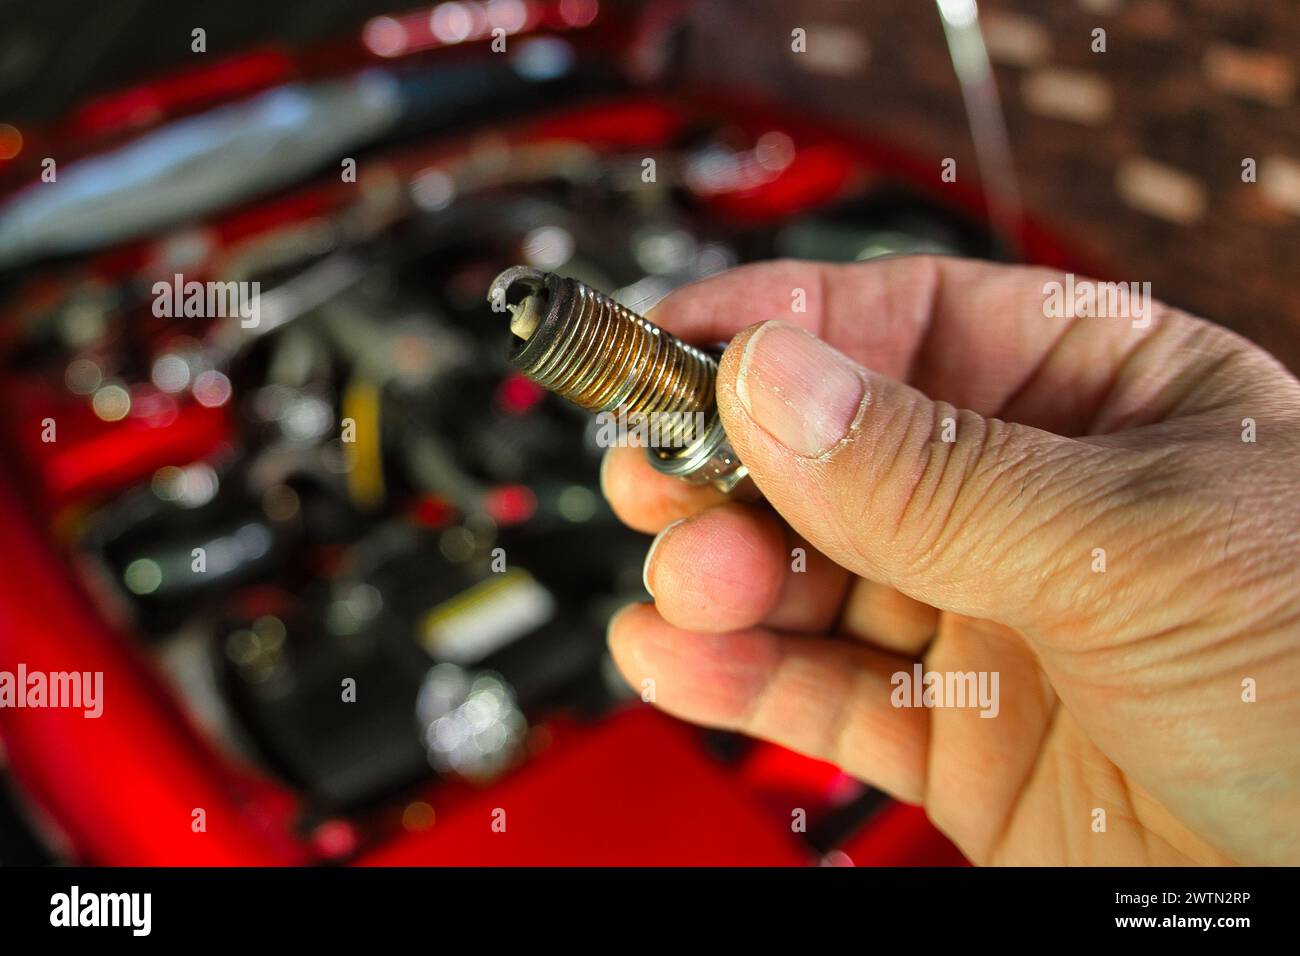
x=1074, y=505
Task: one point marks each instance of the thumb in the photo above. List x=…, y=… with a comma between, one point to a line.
x=969, y=514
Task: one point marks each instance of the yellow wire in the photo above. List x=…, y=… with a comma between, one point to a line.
x=363, y=454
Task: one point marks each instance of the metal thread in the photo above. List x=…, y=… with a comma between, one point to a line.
x=604, y=357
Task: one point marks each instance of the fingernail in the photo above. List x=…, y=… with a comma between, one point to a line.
x=650, y=555
x=798, y=389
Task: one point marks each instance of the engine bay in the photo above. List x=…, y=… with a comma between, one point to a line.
x=282, y=448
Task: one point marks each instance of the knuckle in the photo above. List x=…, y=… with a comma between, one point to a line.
x=951, y=466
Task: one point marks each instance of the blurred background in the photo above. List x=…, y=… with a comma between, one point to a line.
x=371, y=166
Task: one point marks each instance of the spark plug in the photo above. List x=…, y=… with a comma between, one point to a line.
x=587, y=348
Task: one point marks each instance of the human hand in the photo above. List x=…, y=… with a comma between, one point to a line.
x=1075, y=446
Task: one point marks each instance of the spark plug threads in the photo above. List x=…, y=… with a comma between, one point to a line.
x=600, y=355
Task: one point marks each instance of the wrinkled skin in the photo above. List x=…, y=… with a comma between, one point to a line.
x=1120, y=689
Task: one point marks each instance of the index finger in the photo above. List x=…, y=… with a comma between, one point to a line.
x=979, y=335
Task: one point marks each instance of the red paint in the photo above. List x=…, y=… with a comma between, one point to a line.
x=635, y=789
x=902, y=835
x=783, y=779
x=624, y=124
x=92, y=457
x=122, y=788
x=817, y=175
x=188, y=89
